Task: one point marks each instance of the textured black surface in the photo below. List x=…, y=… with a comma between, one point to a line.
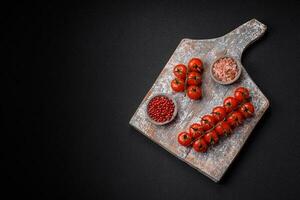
x=77, y=72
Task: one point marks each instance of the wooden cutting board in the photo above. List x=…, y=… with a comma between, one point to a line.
x=216, y=161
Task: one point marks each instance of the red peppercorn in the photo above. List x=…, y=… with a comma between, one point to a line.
x=160, y=109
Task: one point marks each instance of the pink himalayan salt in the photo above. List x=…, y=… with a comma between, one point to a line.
x=225, y=69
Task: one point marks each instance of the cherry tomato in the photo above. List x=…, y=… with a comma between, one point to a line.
x=200, y=145
x=207, y=122
x=230, y=103
x=211, y=137
x=180, y=71
x=194, y=92
x=196, y=130
x=247, y=110
x=234, y=119
x=184, y=138
x=195, y=65
x=219, y=113
x=223, y=128
x=194, y=78
x=177, y=85
x=241, y=94
x=240, y=117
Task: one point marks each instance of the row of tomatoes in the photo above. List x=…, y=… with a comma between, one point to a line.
x=188, y=78
x=220, y=122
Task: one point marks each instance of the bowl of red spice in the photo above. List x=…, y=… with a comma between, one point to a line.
x=225, y=70
x=161, y=109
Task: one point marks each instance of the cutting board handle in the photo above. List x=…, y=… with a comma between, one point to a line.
x=240, y=38
x=235, y=42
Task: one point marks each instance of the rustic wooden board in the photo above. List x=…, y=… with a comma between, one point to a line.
x=215, y=162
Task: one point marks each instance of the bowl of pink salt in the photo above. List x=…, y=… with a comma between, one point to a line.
x=225, y=70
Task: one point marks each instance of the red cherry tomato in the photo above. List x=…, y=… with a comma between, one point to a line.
x=207, y=122
x=180, y=71
x=235, y=119
x=194, y=78
x=219, y=113
x=177, y=85
x=240, y=117
x=241, y=94
x=223, y=128
x=211, y=137
x=247, y=110
x=196, y=130
x=230, y=104
x=195, y=65
x=184, y=138
x=194, y=92
x=200, y=145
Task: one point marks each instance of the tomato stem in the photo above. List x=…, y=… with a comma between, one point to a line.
x=185, y=81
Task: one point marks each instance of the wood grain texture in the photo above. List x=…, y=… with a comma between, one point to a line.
x=216, y=161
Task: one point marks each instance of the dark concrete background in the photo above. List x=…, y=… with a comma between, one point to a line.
x=77, y=72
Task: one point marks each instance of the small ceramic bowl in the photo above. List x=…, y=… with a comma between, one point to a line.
x=174, y=113
x=239, y=67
